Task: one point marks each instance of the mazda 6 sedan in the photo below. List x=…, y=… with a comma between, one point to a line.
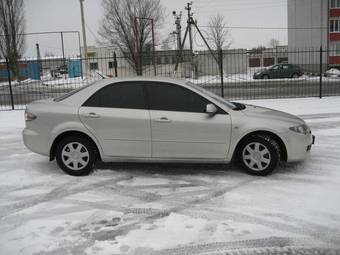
x=160, y=120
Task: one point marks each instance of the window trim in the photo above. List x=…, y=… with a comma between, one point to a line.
x=334, y=20
x=336, y=4
x=334, y=52
x=147, y=97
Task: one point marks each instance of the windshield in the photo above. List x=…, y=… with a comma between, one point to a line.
x=64, y=96
x=212, y=95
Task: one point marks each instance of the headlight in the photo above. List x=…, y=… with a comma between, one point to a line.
x=29, y=116
x=302, y=129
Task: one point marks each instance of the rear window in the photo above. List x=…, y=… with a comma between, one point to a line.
x=64, y=96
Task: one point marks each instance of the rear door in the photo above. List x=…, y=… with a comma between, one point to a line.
x=181, y=129
x=118, y=117
x=287, y=71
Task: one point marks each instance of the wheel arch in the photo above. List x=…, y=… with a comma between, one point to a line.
x=283, y=149
x=69, y=133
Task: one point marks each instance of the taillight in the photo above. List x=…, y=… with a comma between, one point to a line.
x=29, y=116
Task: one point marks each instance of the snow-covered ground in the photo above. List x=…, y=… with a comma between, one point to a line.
x=174, y=209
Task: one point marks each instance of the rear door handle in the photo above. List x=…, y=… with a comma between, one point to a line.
x=162, y=120
x=91, y=115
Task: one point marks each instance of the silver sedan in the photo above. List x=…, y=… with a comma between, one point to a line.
x=160, y=120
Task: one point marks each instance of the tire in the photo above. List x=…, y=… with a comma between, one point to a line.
x=295, y=75
x=251, y=158
x=265, y=77
x=76, y=155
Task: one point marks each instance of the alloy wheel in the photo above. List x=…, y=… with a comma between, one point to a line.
x=75, y=156
x=256, y=156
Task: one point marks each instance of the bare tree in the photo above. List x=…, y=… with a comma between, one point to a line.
x=218, y=32
x=12, y=27
x=273, y=43
x=120, y=29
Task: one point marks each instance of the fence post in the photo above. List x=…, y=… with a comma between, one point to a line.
x=320, y=85
x=115, y=65
x=220, y=55
x=10, y=83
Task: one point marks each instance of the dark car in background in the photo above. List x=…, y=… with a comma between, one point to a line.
x=279, y=71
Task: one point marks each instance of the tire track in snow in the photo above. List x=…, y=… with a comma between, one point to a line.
x=66, y=189
x=326, y=234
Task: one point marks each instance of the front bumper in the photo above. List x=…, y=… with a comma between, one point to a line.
x=299, y=146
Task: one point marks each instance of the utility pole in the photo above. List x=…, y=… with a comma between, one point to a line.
x=178, y=32
x=38, y=58
x=62, y=46
x=38, y=51
x=84, y=32
x=190, y=21
x=188, y=31
x=188, y=8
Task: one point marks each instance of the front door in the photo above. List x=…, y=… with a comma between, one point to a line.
x=181, y=129
x=276, y=72
x=118, y=117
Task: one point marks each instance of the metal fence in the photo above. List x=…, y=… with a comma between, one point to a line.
x=229, y=73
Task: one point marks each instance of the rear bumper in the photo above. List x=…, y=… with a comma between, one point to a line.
x=34, y=142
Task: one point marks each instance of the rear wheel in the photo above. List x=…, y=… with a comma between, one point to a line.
x=75, y=155
x=259, y=155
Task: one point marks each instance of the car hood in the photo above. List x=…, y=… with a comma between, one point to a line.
x=267, y=113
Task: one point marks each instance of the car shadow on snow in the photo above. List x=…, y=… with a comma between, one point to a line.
x=171, y=168
x=232, y=169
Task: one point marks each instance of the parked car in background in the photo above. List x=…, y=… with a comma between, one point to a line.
x=279, y=71
x=160, y=120
x=333, y=73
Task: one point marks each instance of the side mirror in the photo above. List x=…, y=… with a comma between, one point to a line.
x=211, y=109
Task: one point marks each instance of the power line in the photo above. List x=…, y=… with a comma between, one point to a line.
x=257, y=27
x=91, y=32
x=269, y=28
x=45, y=32
x=243, y=8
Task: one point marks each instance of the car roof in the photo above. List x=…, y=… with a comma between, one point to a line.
x=142, y=78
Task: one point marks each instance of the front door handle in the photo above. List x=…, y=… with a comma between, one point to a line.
x=162, y=120
x=91, y=115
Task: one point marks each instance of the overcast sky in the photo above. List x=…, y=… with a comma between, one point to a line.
x=62, y=15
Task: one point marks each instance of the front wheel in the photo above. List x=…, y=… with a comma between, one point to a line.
x=295, y=76
x=259, y=155
x=265, y=77
x=75, y=156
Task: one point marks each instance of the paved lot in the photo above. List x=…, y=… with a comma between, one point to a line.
x=169, y=209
